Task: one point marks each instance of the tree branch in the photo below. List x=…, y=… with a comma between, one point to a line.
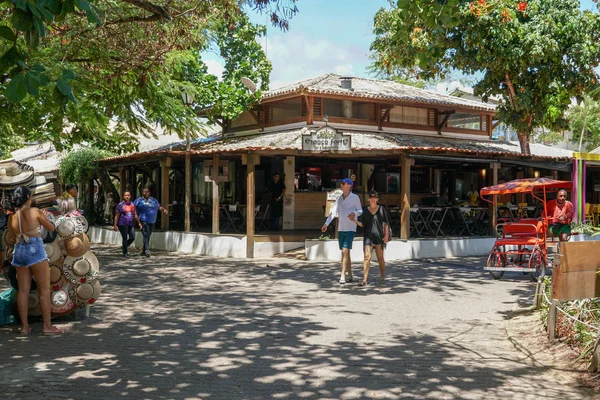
x=152, y=18
x=162, y=12
x=511, y=90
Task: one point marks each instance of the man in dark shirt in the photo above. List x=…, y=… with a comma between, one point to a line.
x=277, y=192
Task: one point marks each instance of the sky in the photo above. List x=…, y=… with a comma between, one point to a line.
x=326, y=36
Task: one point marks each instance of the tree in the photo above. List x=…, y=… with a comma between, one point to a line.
x=81, y=168
x=102, y=71
x=584, y=122
x=536, y=55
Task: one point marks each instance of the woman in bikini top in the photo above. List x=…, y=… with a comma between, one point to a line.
x=29, y=257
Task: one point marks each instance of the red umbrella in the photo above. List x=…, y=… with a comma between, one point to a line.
x=526, y=186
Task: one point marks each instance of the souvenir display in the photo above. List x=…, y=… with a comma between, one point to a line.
x=73, y=267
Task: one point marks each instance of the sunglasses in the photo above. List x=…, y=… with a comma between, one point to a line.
x=373, y=196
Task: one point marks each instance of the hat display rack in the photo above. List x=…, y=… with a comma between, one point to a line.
x=73, y=266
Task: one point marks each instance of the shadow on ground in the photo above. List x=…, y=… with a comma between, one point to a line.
x=185, y=327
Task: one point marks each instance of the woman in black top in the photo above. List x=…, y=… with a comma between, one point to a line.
x=374, y=221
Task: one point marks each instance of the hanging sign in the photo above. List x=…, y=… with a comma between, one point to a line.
x=331, y=199
x=326, y=139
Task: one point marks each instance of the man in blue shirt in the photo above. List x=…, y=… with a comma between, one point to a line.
x=147, y=209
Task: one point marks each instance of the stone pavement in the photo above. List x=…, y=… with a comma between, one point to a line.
x=179, y=326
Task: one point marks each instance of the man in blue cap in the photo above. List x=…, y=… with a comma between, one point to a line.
x=346, y=208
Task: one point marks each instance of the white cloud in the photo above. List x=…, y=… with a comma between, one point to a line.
x=215, y=67
x=296, y=57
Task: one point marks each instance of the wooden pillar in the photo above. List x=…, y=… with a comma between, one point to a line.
x=493, y=209
x=310, y=100
x=405, y=163
x=122, y=183
x=250, y=160
x=289, y=215
x=165, y=166
x=215, y=194
x=188, y=184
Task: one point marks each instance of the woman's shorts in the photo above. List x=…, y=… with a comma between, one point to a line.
x=367, y=241
x=27, y=254
x=345, y=239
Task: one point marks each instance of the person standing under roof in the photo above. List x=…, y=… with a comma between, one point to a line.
x=346, y=208
x=277, y=192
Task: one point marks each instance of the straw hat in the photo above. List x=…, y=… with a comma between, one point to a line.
x=53, y=251
x=35, y=309
x=61, y=300
x=68, y=227
x=81, y=269
x=43, y=231
x=87, y=293
x=56, y=274
x=14, y=174
x=84, y=223
x=9, y=239
x=77, y=246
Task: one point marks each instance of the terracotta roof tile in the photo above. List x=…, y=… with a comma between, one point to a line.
x=377, y=89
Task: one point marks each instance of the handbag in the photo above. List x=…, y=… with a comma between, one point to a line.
x=384, y=218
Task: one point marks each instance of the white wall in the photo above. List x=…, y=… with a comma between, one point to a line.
x=328, y=250
x=194, y=243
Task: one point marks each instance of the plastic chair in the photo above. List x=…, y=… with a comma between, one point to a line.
x=589, y=214
x=261, y=215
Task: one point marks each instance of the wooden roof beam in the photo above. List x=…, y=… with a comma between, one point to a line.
x=446, y=115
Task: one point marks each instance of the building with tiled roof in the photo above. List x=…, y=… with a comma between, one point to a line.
x=414, y=146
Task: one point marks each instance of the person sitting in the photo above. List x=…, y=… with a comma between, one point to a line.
x=560, y=215
x=473, y=196
x=70, y=192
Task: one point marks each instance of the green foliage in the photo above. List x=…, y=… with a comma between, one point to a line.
x=104, y=72
x=548, y=137
x=535, y=55
x=585, y=228
x=585, y=118
x=81, y=165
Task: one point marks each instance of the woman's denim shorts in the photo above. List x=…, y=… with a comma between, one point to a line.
x=27, y=254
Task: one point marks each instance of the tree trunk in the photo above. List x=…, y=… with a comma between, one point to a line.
x=524, y=142
x=107, y=185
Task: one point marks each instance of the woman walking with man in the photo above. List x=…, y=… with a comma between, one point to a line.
x=374, y=221
x=124, y=221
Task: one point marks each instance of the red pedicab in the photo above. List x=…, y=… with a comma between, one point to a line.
x=522, y=244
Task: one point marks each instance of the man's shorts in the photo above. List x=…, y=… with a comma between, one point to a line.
x=345, y=239
x=558, y=229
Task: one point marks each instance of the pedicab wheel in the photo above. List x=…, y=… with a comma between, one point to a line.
x=496, y=259
x=536, y=261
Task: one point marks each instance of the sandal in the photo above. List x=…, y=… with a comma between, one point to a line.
x=56, y=331
x=24, y=333
x=363, y=283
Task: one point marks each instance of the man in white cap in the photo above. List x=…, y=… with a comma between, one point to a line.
x=346, y=208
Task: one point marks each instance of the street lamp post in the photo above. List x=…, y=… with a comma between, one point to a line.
x=187, y=100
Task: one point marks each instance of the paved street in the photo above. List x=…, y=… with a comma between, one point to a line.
x=177, y=326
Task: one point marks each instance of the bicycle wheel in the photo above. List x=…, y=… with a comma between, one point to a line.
x=496, y=259
x=537, y=262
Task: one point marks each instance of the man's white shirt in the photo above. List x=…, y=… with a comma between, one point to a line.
x=342, y=208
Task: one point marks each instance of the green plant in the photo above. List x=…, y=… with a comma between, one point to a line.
x=81, y=165
x=585, y=228
x=536, y=55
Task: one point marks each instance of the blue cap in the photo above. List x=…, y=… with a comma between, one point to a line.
x=347, y=180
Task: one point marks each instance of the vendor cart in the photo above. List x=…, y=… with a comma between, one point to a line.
x=521, y=245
